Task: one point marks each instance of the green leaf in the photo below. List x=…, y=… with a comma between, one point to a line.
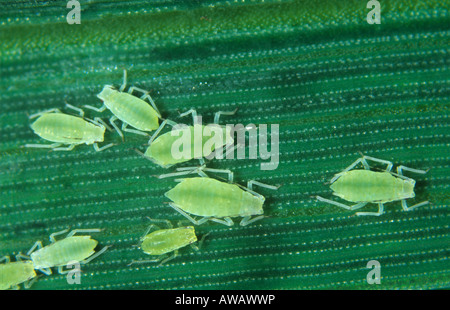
x=335, y=84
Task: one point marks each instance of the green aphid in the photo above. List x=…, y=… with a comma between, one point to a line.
x=363, y=186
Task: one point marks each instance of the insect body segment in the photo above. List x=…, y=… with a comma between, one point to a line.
x=168, y=240
x=14, y=273
x=62, y=252
x=129, y=109
x=215, y=200
x=370, y=186
x=67, y=129
x=363, y=186
x=212, y=198
x=166, y=150
x=161, y=150
x=164, y=241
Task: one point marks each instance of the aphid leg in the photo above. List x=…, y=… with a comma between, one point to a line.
x=226, y=221
x=99, y=149
x=97, y=254
x=184, y=171
x=43, y=146
x=194, y=115
x=251, y=182
x=148, y=230
x=124, y=83
x=138, y=132
x=353, y=165
x=248, y=220
x=112, y=120
x=5, y=259
x=380, y=211
x=81, y=112
x=76, y=231
x=366, y=166
x=219, y=113
x=382, y=161
x=145, y=261
x=175, y=254
x=226, y=171
x=200, y=242
x=20, y=257
x=29, y=283
x=335, y=177
x=167, y=222
x=52, y=236
x=401, y=168
x=156, y=133
x=37, y=244
x=44, y=112
x=98, y=121
x=100, y=110
x=351, y=208
x=175, y=174
x=152, y=103
x=46, y=271
x=406, y=208
x=199, y=222
x=249, y=188
x=151, y=159
x=68, y=148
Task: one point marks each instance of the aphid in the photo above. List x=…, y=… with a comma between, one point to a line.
x=129, y=109
x=14, y=273
x=163, y=241
x=160, y=149
x=363, y=186
x=54, y=126
x=62, y=252
x=215, y=200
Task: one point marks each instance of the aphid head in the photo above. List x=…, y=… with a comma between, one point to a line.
x=408, y=188
x=99, y=136
x=39, y=260
x=252, y=205
x=106, y=93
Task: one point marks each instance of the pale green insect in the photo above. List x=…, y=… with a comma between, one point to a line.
x=64, y=129
x=129, y=109
x=164, y=241
x=202, y=142
x=14, y=273
x=363, y=186
x=215, y=200
x=60, y=253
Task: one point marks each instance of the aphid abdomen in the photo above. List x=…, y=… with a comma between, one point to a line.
x=368, y=186
x=12, y=274
x=209, y=197
x=60, y=253
x=133, y=111
x=167, y=240
x=63, y=128
x=160, y=150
